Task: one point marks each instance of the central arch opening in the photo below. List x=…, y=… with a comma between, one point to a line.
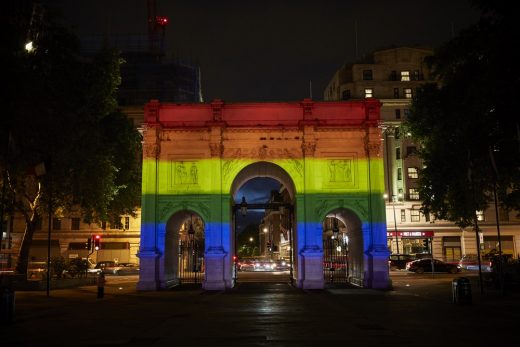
x=263, y=224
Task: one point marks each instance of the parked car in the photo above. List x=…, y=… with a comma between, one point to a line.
x=470, y=262
x=37, y=269
x=100, y=266
x=398, y=261
x=122, y=269
x=425, y=265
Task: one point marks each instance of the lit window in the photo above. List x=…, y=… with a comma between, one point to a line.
x=408, y=93
x=369, y=93
x=405, y=75
x=480, y=216
x=367, y=75
x=412, y=172
x=415, y=216
x=413, y=194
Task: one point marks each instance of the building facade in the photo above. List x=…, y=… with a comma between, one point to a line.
x=392, y=76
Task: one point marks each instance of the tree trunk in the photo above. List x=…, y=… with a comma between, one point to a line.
x=23, y=256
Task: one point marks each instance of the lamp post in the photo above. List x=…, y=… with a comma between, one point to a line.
x=243, y=212
x=395, y=218
x=43, y=169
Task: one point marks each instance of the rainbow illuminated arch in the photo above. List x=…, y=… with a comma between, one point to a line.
x=195, y=158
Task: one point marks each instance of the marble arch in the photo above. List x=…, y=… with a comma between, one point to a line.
x=327, y=153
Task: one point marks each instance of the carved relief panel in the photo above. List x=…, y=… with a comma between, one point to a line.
x=341, y=172
x=183, y=175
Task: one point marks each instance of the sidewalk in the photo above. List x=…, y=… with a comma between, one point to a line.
x=257, y=315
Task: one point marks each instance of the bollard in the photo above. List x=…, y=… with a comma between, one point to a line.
x=101, y=285
x=461, y=291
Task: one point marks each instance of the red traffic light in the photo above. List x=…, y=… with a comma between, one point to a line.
x=97, y=242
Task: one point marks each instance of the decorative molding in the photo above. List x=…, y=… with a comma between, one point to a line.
x=166, y=207
x=152, y=150
x=373, y=149
x=216, y=106
x=308, y=148
x=361, y=207
x=216, y=149
x=228, y=167
x=321, y=208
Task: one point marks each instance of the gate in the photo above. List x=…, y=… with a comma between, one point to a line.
x=191, y=261
x=335, y=261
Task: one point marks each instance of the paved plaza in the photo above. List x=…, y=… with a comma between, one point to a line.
x=419, y=312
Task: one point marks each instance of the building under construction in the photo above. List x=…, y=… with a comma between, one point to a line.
x=147, y=73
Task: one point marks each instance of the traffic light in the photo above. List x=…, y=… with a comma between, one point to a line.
x=97, y=242
x=426, y=243
x=88, y=244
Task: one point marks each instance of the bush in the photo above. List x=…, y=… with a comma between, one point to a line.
x=77, y=266
x=58, y=265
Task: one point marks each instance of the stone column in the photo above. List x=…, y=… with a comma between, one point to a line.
x=148, y=253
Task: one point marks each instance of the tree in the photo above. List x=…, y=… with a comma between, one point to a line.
x=246, y=247
x=467, y=124
x=61, y=111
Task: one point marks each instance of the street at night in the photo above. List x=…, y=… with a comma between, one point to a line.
x=260, y=173
x=418, y=311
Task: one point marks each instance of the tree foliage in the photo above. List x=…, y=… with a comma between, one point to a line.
x=61, y=110
x=467, y=124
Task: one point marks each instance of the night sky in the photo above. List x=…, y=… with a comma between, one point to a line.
x=269, y=50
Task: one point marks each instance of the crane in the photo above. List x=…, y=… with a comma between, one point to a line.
x=156, y=28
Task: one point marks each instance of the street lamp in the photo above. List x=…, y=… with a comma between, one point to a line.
x=191, y=231
x=243, y=206
x=399, y=196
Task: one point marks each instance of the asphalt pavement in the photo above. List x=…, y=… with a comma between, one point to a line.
x=418, y=312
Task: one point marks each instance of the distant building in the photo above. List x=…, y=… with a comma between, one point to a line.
x=392, y=76
x=147, y=75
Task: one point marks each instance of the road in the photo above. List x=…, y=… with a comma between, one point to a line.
x=418, y=311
